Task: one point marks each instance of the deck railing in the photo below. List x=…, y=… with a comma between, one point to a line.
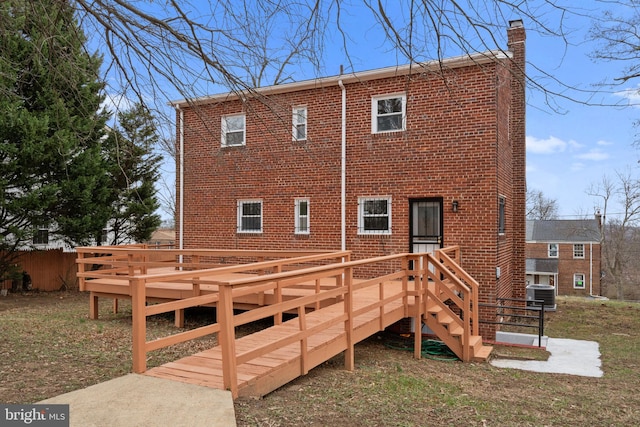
x=342, y=287
x=330, y=282
x=452, y=283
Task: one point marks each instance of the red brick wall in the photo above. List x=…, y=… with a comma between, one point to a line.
x=458, y=146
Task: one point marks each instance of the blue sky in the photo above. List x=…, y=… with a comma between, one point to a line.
x=570, y=146
x=569, y=151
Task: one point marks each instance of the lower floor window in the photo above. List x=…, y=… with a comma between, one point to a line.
x=374, y=215
x=302, y=216
x=578, y=281
x=250, y=216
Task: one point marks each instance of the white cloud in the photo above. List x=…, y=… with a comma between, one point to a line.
x=550, y=145
x=594, y=154
x=604, y=143
x=632, y=95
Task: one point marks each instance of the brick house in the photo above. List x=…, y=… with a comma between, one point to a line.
x=399, y=159
x=564, y=254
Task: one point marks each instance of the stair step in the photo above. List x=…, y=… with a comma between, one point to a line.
x=456, y=330
x=482, y=354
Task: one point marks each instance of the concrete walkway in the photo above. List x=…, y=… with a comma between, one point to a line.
x=572, y=357
x=140, y=401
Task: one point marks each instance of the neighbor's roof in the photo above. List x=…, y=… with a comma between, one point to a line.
x=380, y=73
x=563, y=230
x=163, y=234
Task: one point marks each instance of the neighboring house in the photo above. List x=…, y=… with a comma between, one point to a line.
x=406, y=158
x=163, y=237
x=564, y=254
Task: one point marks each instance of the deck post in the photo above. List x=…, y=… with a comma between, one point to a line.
x=227, y=337
x=94, y=308
x=302, y=323
x=179, y=318
x=418, y=265
x=139, y=327
x=81, y=269
x=349, y=354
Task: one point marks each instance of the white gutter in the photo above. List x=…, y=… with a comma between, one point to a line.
x=343, y=170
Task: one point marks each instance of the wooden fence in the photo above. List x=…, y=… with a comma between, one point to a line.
x=49, y=270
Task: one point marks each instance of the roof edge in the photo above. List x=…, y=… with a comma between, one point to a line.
x=379, y=73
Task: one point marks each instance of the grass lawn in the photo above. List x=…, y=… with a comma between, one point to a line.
x=48, y=346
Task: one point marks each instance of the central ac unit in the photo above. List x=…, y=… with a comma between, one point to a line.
x=537, y=295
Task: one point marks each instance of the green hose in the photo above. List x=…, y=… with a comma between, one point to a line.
x=431, y=349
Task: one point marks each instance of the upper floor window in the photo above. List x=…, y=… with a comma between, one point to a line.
x=374, y=215
x=578, y=281
x=250, y=216
x=302, y=216
x=501, y=214
x=553, y=250
x=388, y=113
x=233, y=130
x=299, y=130
x=41, y=236
x=578, y=250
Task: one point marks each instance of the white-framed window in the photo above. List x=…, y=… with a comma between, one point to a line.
x=502, y=201
x=553, y=250
x=249, y=216
x=388, y=113
x=578, y=250
x=374, y=215
x=578, y=281
x=299, y=121
x=302, y=216
x=233, y=130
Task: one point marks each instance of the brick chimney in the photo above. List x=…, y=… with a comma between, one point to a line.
x=516, y=43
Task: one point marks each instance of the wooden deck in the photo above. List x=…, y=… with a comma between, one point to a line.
x=326, y=338
x=333, y=309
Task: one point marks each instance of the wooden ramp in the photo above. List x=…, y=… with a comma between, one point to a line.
x=336, y=303
x=266, y=373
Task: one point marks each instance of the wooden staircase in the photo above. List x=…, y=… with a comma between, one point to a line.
x=450, y=307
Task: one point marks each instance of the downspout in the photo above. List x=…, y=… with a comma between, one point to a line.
x=181, y=177
x=343, y=170
x=590, y=268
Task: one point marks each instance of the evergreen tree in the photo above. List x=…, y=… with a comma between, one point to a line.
x=51, y=127
x=134, y=171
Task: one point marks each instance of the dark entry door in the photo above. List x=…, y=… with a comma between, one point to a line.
x=426, y=225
